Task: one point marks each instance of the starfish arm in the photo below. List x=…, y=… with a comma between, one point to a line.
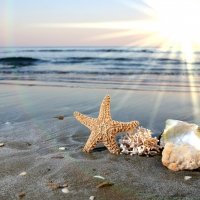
x=104, y=112
x=123, y=126
x=87, y=121
x=92, y=141
x=111, y=144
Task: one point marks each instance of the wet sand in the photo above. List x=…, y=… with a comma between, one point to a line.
x=32, y=134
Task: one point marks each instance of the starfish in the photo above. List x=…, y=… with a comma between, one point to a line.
x=103, y=129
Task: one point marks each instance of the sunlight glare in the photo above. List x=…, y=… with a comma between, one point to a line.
x=179, y=19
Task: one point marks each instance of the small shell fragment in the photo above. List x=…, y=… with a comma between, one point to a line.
x=1, y=144
x=99, y=177
x=187, y=178
x=65, y=190
x=55, y=186
x=65, y=185
x=23, y=174
x=104, y=184
x=7, y=123
x=21, y=195
x=28, y=144
x=92, y=198
x=62, y=148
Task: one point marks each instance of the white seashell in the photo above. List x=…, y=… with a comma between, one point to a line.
x=99, y=177
x=7, y=123
x=180, y=132
x=187, y=178
x=1, y=144
x=91, y=198
x=23, y=174
x=62, y=148
x=65, y=190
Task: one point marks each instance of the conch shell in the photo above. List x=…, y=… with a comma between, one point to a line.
x=179, y=132
x=180, y=157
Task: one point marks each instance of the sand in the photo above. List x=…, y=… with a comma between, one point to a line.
x=32, y=134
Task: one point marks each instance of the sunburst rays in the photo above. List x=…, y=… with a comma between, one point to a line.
x=169, y=25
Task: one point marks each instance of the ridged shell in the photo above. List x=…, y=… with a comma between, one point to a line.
x=180, y=132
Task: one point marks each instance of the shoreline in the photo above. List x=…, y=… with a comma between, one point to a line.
x=137, y=85
x=32, y=113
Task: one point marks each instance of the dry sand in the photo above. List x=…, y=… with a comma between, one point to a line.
x=29, y=115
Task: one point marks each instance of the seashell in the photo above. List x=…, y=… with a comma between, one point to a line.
x=23, y=174
x=180, y=157
x=1, y=144
x=104, y=184
x=21, y=195
x=62, y=148
x=7, y=123
x=92, y=198
x=99, y=177
x=187, y=178
x=65, y=190
x=65, y=185
x=180, y=132
x=55, y=186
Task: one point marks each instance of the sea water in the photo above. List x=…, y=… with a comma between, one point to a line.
x=131, y=68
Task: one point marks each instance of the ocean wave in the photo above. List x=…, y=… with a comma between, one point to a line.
x=50, y=50
x=95, y=49
x=169, y=61
x=121, y=60
x=25, y=61
x=114, y=50
x=100, y=60
x=19, y=61
x=117, y=72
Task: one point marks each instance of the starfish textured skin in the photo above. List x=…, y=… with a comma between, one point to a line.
x=103, y=129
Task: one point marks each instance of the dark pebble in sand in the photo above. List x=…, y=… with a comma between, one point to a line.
x=60, y=117
x=60, y=157
x=28, y=144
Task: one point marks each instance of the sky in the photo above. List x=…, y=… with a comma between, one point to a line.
x=100, y=23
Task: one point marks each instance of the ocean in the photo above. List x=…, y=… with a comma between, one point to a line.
x=129, y=68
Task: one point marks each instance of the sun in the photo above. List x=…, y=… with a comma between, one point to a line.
x=171, y=23
x=177, y=19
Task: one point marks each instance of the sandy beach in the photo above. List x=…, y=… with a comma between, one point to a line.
x=32, y=135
